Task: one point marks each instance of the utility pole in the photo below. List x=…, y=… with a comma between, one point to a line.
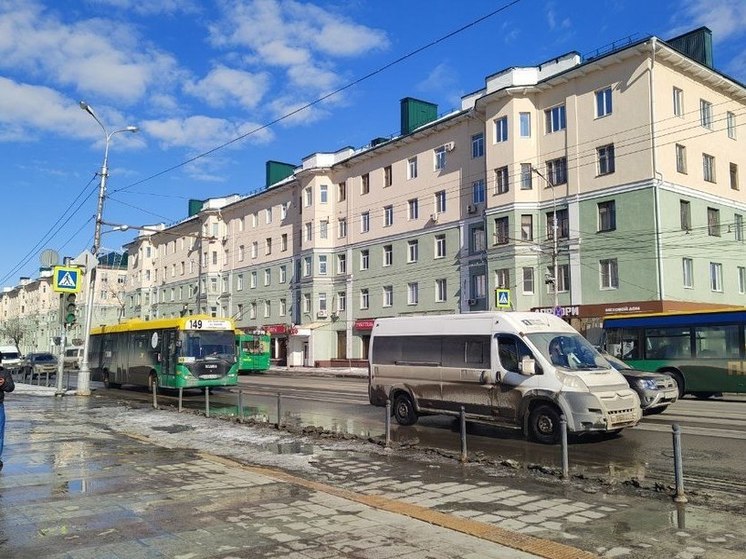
x=200, y=264
x=555, y=249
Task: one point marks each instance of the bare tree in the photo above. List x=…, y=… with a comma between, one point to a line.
x=13, y=330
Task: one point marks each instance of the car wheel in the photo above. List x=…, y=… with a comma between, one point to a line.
x=544, y=424
x=404, y=411
x=679, y=380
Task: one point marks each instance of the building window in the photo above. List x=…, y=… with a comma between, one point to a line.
x=322, y=302
x=241, y=253
x=254, y=249
x=440, y=158
x=413, y=293
x=365, y=222
x=524, y=120
x=681, y=158
x=478, y=239
x=477, y=145
x=705, y=113
x=685, y=214
x=555, y=119
x=388, y=216
x=308, y=194
x=562, y=280
x=478, y=286
x=738, y=226
x=605, y=159
x=284, y=242
x=387, y=176
x=440, y=246
x=502, y=231
x=527, y=227
x=440, y=201
x=324, y=229
x=607, y=216
x=412, y=168
x=267, y=276
x=526, y=176
x=342, y=227
x=734, y=176
x=716, y=276
x=477, y=192
x=501, y=129
x=678, y=102
x=307, y=303
x=501, y=180
x=282, y=311
x=557, y=171
x=239, y=282
x=268, y=245
x=713, y=222
x=307, y=263
x=528, y=281
x=441, y=290
x=413, y=209
x=687, y=268
x=609, y=274
x=364, y=299
x=502, y=278
x=731, y=123
x=267, y=308
x=708, y=167
x=388, y=296
x=341, y=301
x=364, y=259
x=341, y=263
x=309, y=231
x=365, y=184
x=252, y=280
x=742, y=280
x=284, y=210
x=322, y=264
x=412, y=251
x=603, y=102
x=252, y=311
x=268, y=215
x=342, y=192
x=388, y=255
x=283, y=274
x=563, y=224
x=323, y=194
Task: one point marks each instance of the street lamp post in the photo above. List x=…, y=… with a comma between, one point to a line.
x=555, y=279
x=84, y=375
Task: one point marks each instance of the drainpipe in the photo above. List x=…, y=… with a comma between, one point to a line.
x=656, y=180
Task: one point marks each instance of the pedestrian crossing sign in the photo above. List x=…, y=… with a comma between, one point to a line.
x=502, y=298
x=66, y=279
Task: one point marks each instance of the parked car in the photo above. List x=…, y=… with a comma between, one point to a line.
x=72, y=359
x=38, y=365
x=11, y=357
x=656, y=391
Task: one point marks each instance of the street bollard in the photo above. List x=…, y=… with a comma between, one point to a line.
x=387, y=423
x=155, y=397
x=240, y=404
x=207, y=401
x=279, y=410
x=678, y=466
x=181, y=397
x=463, y=434
x=565, y=459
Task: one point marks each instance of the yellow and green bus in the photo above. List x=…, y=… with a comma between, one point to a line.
x=252, y=351
x=187, y=352
x=702, y=351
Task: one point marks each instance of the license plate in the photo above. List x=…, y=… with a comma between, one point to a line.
x=622, y=418
x=208, y=377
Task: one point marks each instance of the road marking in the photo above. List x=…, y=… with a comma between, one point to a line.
x=691, y=430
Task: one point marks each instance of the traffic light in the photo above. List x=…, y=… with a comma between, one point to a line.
x=70, y=308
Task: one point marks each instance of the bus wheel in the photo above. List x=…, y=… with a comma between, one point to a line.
x=404, y=409
x=544, y=424
x=703, y=395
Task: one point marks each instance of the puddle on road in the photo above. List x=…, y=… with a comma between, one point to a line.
x=173, y=428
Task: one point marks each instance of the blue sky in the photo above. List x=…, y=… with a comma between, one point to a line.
x=193, y=75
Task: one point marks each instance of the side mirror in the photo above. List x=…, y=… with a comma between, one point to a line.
x=489, y=377
x=527, y=366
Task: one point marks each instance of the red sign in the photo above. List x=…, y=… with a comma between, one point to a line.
x=364, y=324
x=276, y=329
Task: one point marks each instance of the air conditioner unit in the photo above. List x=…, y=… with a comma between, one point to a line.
x=434, y=217
x=471, y=302
x=471, y=208
x=321, y=314
x=450, y=146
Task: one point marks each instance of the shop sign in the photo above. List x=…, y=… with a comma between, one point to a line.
x=364, y=324
x=276, y=329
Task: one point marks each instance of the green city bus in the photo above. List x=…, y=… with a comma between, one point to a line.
x=252, y=351
x=703, y=351
x=187, y=352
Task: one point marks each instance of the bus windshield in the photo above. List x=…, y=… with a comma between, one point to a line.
x=207, y=345
x=568, y=351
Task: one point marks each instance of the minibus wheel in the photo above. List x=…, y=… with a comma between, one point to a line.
x=404, y=409
x=544, y=424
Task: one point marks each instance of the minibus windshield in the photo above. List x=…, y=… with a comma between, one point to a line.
x=568, y=351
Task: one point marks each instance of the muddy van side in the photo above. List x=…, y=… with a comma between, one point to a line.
x=518, y=370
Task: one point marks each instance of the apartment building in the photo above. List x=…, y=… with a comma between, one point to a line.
x=612, y=179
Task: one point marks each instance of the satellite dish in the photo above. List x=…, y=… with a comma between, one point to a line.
x=49, y=257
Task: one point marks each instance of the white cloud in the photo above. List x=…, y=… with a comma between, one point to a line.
x=201, y=132
x=151, y=8
x=225, y=85
x=286, y=105
x=726, y=18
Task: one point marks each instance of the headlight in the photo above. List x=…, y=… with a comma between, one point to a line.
x=647, y=384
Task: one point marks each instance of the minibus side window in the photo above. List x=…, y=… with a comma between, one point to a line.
x=510, y=351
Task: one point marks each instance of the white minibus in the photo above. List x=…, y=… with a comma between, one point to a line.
x=519, y=370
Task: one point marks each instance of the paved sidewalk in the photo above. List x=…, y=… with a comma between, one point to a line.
x=90, y=477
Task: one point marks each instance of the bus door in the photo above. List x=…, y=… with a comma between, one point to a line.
x=169, y=358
